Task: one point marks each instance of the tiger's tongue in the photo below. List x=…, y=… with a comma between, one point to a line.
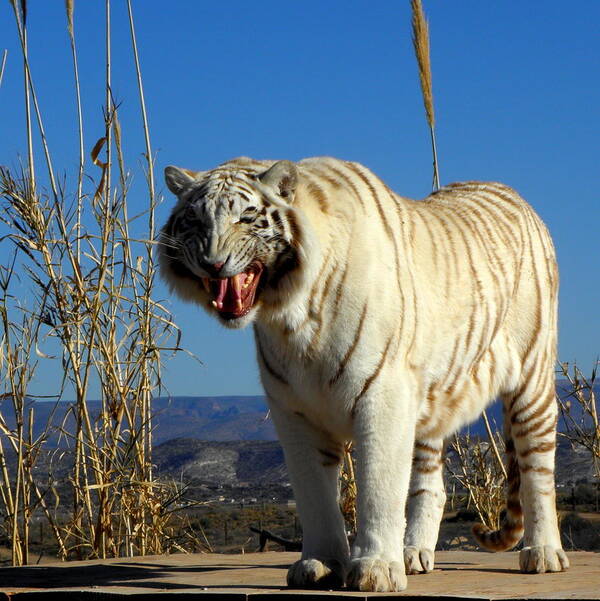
x=229, y=297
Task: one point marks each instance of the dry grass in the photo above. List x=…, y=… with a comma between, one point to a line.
x=482, y=474
x=19, y=492
x=89, y=282
x=579, y=410
x=581, y=427
x=348, y=489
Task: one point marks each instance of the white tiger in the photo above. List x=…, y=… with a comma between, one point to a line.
x=385, y=321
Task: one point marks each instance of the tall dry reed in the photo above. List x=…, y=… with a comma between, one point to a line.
x=3, y=65
x=420, y=30
x=90, y=283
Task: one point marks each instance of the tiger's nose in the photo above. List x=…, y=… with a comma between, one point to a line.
x=213, y=268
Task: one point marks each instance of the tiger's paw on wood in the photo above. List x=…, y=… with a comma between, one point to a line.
x=317, y=574
x=376, y=576
x=543, y=558
x=418, y=561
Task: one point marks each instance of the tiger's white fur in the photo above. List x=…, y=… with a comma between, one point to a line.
x=389, y=322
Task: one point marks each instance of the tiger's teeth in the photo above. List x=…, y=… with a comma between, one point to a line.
x=249, y=279
x=214, y=304
x=238, y=304
x=236, y=284
x=206, y=284
x=221, y=294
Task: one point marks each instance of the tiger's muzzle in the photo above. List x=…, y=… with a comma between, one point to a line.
x=234, y=297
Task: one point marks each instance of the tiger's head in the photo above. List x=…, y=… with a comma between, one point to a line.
x=235, y=242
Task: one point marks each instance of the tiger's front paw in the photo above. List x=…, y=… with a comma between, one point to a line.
x=418, y=561
x=376, y=575
x=543, y=558
x=313, y=573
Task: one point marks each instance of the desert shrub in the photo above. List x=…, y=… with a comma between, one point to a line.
x=579, y=534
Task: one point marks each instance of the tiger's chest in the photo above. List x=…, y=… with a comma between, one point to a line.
x=303, y=379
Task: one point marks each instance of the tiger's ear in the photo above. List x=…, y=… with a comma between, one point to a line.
x=178, y=179
x=283, y=177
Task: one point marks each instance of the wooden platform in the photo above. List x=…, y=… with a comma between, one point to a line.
x=261, y=577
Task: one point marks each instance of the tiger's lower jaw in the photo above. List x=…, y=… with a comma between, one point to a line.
x=234, y=322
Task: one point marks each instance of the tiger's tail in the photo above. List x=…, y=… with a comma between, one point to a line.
x=511, y=526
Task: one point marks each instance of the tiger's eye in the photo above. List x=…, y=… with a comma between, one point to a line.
x=248, y=215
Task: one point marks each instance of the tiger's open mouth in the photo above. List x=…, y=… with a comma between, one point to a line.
x=234, y=297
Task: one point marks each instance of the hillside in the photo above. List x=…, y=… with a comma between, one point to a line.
x=217, y=418
x=261, y=462
x=238, y=470
x=226, y=463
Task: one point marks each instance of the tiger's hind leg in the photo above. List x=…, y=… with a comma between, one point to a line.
x=532, y=413
x=425, y=506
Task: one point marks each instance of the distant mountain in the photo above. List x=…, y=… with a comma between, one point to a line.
x=221, y=418
x=204, y=418
x=215, y=418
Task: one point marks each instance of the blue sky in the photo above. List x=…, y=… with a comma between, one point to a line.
x=516, y=92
